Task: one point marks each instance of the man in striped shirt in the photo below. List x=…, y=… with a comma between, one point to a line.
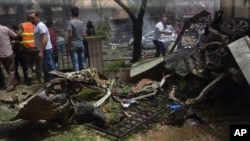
x=7, y=56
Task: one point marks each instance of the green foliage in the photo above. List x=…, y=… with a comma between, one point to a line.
x=101, y=28
x=6, y=113
x=126, y=88
x=87, y=94
x=114, y=65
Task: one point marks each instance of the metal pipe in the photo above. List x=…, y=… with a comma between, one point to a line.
x=205, y=90
x=172, y=96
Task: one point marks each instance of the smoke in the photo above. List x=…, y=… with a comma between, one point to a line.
x=148, y=23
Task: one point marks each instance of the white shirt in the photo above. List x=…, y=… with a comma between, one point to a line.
x=157, y=35
x=201, y=31
x=39, y=30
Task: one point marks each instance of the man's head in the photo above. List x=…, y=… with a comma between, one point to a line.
x=75, y=11
x=33, y=17
x=164, y=20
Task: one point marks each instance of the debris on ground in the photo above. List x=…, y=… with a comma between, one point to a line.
x=187, y=77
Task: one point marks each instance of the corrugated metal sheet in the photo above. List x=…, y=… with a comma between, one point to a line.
x=240, y=50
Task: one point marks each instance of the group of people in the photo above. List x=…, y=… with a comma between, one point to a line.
x=34, y=42
x=197, y=30
x=27, y=45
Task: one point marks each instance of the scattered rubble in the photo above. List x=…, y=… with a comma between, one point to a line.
x=165, y=101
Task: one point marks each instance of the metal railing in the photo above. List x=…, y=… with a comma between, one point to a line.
x=64, y=61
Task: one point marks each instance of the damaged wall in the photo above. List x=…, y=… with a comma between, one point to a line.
x=235, y=8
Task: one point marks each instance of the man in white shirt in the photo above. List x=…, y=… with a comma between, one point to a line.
x=43, y=43
x=158, y=37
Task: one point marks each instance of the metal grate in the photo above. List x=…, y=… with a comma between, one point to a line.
x=146, y=112
x=64, y=61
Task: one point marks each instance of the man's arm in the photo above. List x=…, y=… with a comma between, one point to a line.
x=161, y=30
x=44, y=43
x=165, y=32
x=12, y=34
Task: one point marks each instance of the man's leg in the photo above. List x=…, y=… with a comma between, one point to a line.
x=157, y=47
x=16, y=67
x=29, y=65
x=81, y=59
x=162, y=47
x=55, y=58
x=21, y=60
x=38, y=64
x=1, y=77
x=9, y=66
x=74, y=59
x=48, y=65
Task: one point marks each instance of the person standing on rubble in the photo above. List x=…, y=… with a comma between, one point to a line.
x=7, y=56
x=43, y=43
x=30, y=50
x=158, y=38
x=75, y=41
x=19, y=57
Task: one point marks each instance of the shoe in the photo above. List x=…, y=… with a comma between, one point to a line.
x=10, y=88
x=28, y=82
x=29, y=75
x=16, y=82
x=39, y=81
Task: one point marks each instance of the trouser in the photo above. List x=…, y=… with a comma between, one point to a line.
x=1, y=78
x=77, y=57
x=31, y=58
x=19, y=59
x=55, y=58
x=160, y=49
x=48, y=65
x=9, y=65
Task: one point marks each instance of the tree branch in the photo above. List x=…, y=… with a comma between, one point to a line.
x=125, y=7
x=142, y=8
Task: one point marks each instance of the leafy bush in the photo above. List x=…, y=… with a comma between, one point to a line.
x=114, y=65
x=101, y=28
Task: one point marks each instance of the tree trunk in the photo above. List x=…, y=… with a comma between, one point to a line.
x=137, y=35
x=137, y=26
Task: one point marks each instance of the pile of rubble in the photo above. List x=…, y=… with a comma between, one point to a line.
x=200, y=71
